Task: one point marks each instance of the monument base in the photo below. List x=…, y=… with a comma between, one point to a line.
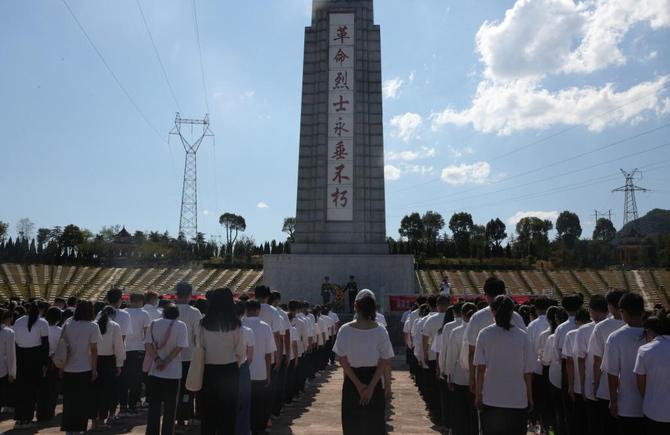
x=300, y=277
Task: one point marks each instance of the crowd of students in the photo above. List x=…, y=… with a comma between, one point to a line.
x=547, y=368
x=224, y=365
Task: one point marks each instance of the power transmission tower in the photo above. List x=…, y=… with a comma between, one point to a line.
x=630, y=204
x=188, y=220
x=599, y=214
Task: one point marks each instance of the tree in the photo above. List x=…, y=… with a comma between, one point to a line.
x=533, y=236
x=461, y=225
x=24, y=228
x=495, y=234
x=71, y=239
x=289, y=227
x=433, y=222
x=569, y=228
x=234, y=224
x=412, y=228
x=604, y=230
x=108, y=233
x=4, y=228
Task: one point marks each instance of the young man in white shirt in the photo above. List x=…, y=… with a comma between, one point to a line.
x=535, y=328
x=151, y=305
x=300, y=324
x=428, y=334
x=407, y=330
x=132, y=366
x=620, y=352
x=606, y=423
x=191, y=316
x=261, y=372
x=582, y=359
x=280, y=386
x=572, y=304
x=575, y=410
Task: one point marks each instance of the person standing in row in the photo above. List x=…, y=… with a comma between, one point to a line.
x=280, y=386
x=571, y=304
x=364, y=351
x=575, y=412
x=151, y=305
x=7, y=359
x=132, y=367
x=165, y=340
x=618, y=363
x=428, y=334
x=191, y=317
x=111, y=355
x=81, y=336
x=242, y=425
x=32, y=353
x=224, y=344
x=504, y=359
x=47, y=398
x=264, y=347
x=351, y=289
x=535, y=328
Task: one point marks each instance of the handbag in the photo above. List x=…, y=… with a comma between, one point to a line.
x=196, y=370
x=59, y=357
x=148, y=359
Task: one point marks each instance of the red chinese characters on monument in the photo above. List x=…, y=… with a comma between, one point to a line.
x=339, y=198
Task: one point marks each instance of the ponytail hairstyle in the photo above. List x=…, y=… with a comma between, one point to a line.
x=503, y=306
x=33, y=314
x=103, y=321
x=448, y=317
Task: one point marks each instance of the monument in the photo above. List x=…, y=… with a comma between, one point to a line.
x=340, y=217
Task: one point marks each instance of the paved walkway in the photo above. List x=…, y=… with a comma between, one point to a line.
x=316, y=412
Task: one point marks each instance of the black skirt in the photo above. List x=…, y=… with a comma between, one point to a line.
x=356, y=418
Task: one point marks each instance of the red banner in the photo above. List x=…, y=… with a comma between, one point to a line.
x=198, y=296
x=404, y=303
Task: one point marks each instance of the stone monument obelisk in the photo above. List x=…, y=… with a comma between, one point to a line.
x=340, y=217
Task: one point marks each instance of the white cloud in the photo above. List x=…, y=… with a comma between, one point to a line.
x=405, y=125
x=420, y=169
x=652, y=55
x=392, y=173
x=412, y=76
x=476, y=173
x=411, y=155
x=504, y=108
x=391, y=88
x=249, y=94
x=457, y=153
x=205, y=212
x=262, y=205
x=551, y=215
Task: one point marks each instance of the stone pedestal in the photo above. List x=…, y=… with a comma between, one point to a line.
x=300, y=277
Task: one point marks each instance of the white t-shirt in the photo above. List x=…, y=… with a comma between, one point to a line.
x=560, y=333
x=416, y=338
x=301, y=327
x=535, y=328
x=140, y=320
x=568, y=352
x=33, y=338
x=123, y=319
x=507, y=355
x=483, y=318
x=363, y=347
x=79, y=335
x=541, y=342
x=429, y=329
x=409, y=324
x=249, y=340
x=333, y=315
x=551, y=358
x=111, y=343
x=446, y=341
x=294, y=339
x=581, y=351
x=264, y=344
x=178, y=338
x=653, y=361
x=620, y=352
x=270, y=315
x=54, y=336
x=191, y=317
x=379, y=318
x=457, y=373
x=7, y=353
x=153, y=311
x=597, y=349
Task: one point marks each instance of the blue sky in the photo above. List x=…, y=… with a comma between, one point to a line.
x=499, y=108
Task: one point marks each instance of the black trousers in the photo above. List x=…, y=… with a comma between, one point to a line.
x=503, y=421
x=559, y=410
x=47, y=397
x=358, y=419
x=291, y=381
x=630, y=425
x=220, y=388
x=4, y=391
x=652, y=427
x=106, y=386
x=185, y=404
x=432, y=392
x=591, y=411
x=132, y=380
x=163, y=394
x=580, y=420
x=77, y=404
x=464, y=418
x=28, y=377
x=606, y=423
x=260, y=397
x=540, y=392
x=445, y=402
x=352, y=300
x=279, y=389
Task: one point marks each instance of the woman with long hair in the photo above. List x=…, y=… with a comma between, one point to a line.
x=364, y=351
x=81, y=336
x=504, y=361
x=47, y=399
x=111, y=355
x=32, y=356
x=224, y=347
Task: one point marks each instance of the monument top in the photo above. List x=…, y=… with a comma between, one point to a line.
x=341, y=197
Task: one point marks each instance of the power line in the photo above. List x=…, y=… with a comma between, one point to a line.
x=546, y=138
x=551, y=165
x=160, y=62
x=202, y=68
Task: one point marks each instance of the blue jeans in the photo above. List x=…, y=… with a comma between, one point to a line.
x=242, y=422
